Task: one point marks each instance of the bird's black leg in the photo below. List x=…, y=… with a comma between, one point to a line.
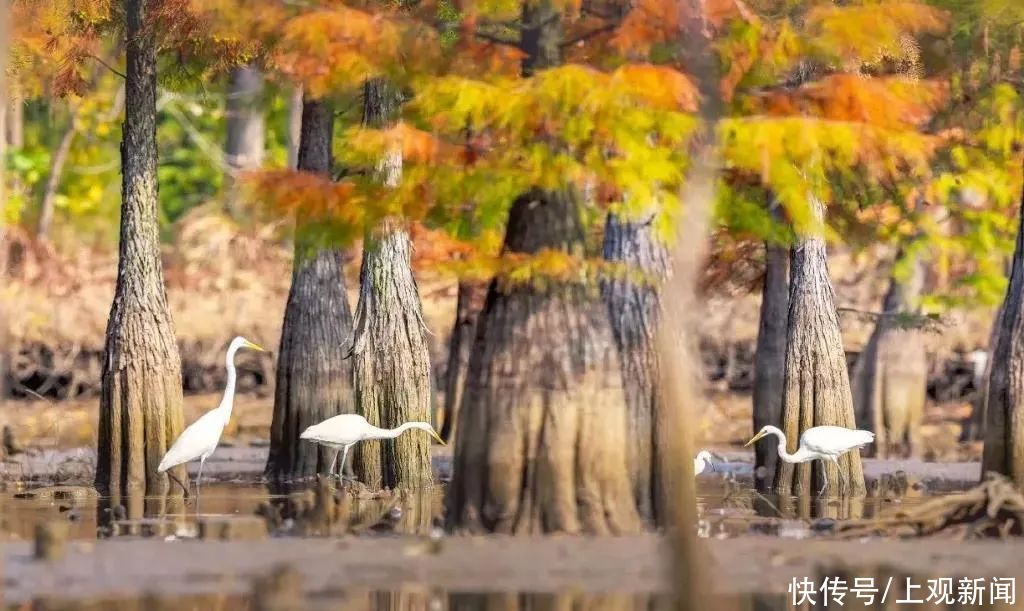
x=178, y=481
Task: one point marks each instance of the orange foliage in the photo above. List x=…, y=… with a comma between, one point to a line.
x=885, y=102
x=309, y=196
x=660, y=86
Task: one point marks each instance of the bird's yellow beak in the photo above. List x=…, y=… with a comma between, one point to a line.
x=755, y=438
x=434, y=434
x=249, y=344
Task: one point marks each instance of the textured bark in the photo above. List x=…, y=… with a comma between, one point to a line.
x=770, y=360
x=543, y=421
x=141, y=399
x=313, y=375
x=391, y=361
x=60, y=158
x=1004, y=411
x=467, y=307
x=634, y=308
x=540, y=36
x=817, y=386
x=890, y=379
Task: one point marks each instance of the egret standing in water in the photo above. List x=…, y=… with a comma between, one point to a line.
x=703, y=461
x=344, y=431
x=819, y=442
x=200, y=438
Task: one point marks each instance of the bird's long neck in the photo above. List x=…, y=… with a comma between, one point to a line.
x=228, y=400
x=797, y=457
x=395, y=432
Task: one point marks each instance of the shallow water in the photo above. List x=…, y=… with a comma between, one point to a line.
x=726, y=509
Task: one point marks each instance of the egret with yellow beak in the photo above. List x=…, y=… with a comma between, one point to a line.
x=818, y=443
x=200, y=438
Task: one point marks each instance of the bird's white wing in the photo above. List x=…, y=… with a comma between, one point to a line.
x=834, y=439
x=198, y=438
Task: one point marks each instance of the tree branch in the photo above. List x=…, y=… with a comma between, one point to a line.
x=496, y=39
x=108, y=66
x=608, y=27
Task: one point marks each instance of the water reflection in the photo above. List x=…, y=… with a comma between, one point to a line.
x=399, y=600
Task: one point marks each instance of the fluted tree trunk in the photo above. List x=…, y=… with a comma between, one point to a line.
x=391, y=361
x=141, y=401
x=890, y=378
x=770, y=360
x=543, y=442
x=467, y=307
x=817, y=385
x=244, y=146
x=634, y=308
x=1004, y=409
x=313, y=375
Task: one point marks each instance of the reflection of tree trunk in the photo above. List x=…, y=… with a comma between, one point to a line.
x=60, y=158
x=770, y=359
x=313, y=376
x=817, y=385
x=245, y=126
x=1004, y=410
x=634, y=307
x=459, y=345
x=391, y=361
x=543, y=442
x=890, y=379
x=141, y=399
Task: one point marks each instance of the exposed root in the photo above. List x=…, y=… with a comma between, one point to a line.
x=994, y=508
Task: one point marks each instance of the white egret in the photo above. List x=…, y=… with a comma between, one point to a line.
x=818, y=443
x=346, y=430
x=703, y=461
x=200, y=438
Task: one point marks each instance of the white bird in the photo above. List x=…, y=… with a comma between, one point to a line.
x=703, y=461
x=819, y=443
x=344, y=431
x=200, y=438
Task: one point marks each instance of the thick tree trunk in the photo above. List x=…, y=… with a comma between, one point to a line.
x=634, y=308
x=770, y=360
x=141, y=400
x=467, y=307
x=391, y=361
x=1004, y=410
x=60, y=159
x=817, y=386
x=313, y=375
x=244, y=147
x=543, y=443
x=890, y=379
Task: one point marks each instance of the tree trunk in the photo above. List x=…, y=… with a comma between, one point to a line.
x=391, y=361
x=313, y=375
x=294, y=126
x=244, y=147
x=890, y=379
x=770, y=360
x=60, y=158
x=544, y=435
x=817, y=386
x=141, y=399
x=974, y=427
x=4, y=95
x=1004, y=410
x=634, y=308
x=460, y=343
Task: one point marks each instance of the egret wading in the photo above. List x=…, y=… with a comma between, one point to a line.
x=703, y=461
x=819, y=443
x=201, y=437
x=344, y=431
